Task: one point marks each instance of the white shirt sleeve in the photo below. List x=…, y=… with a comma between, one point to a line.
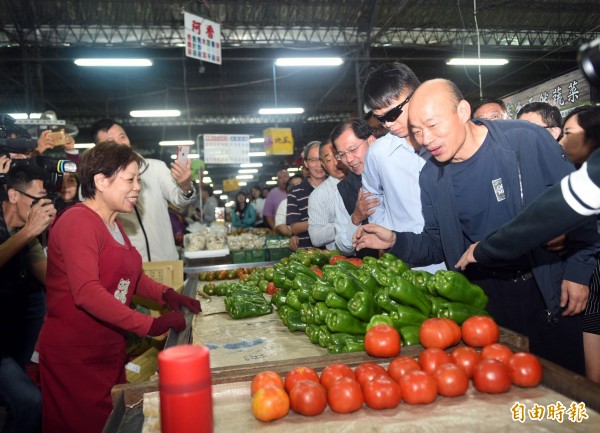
x=344, y=229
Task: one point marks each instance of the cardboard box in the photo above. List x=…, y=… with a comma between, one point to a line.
x=141, y=368
x=170, y=273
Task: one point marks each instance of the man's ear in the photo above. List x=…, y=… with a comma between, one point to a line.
x=13, y=195
x=464, y=110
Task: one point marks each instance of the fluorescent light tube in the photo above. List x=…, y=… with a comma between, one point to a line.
x=271, y=182
x=251, y=165
x=176, y=143
x=476, y=62
x=257, y=153
x=309, y=61
x=244, y=176
x=257, y=140
x=290, y=110
x=155, y=113
x=247, y=171
x=114, y=62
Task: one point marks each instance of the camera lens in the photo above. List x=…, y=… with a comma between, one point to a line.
x=589, y=61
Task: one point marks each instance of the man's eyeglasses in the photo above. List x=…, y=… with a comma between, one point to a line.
x=394, y=113
x=34, y=198
x=341, y=155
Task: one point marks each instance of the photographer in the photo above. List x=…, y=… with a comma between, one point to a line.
x=25, y=214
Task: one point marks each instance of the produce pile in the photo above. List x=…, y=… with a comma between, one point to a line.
x=493, y=369
x=335, y=300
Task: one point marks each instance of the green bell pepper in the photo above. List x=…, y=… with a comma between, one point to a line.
x=330, y=273
x=406, y=293
x=333, y=300
x=367, y=281
x=312, y=332
x=380, y=319
x=243, y=306
x=456, y=287
x=294, y=269
x=324, y=335
x=278, y=299
x=280, y=280
x=319, y=259
x=346, y=286
x=354, y=345
x=381, y=276
x=321, y=310
x=363, y=306
x=320, y=290
x=342, y=321
x=292, y=300
x=307, y=314
x=295, y=322
x=345, y=266
x=410, y=335
x=340, y=342
x=283, y=313
x=405, y=315
x=382, y=298
x=459, y=311
x=436, y=304
x=418, y=278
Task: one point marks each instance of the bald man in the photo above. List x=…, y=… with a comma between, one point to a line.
x=482, y=175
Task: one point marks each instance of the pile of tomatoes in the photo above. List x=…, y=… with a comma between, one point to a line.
x=493, y=369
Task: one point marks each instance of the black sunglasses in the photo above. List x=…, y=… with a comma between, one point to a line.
x=394, y=113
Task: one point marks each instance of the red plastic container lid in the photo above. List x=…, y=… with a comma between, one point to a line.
x=186, y=365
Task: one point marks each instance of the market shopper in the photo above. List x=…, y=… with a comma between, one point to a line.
x=149, y=226
x=352, y=140
x=482, y=175
x=209, y=204
x=93, y=272
x=543, y=114
x=321, y=203
x=394, y=161
x=25, y=214
x=275, y=196
x=243, y=215
x=490, y=109
x=297, y=204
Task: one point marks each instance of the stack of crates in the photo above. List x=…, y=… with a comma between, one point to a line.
x=277, y=247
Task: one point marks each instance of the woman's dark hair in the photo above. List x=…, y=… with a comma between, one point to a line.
x=239, y=209
x=106, y=158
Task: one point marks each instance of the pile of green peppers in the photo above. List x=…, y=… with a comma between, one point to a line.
x=336, y=309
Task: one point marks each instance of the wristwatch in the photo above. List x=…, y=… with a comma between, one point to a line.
x=188, y=194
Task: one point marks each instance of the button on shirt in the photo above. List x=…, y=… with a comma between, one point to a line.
x=321, y=214
x=391, y=173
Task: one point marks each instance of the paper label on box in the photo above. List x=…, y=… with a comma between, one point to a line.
x=132, y=367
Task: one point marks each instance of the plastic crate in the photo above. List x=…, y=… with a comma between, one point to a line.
x=249, y=256
x=278, y=253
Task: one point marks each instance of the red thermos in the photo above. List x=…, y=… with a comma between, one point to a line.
x=185, y=389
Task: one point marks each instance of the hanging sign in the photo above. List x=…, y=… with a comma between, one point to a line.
x=226, y=149
x=279, y=141
x=202, y=39
x=564, y=92
x=231, y=185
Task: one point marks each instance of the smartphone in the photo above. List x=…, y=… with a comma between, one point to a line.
x=57, y=137
x=182, y=154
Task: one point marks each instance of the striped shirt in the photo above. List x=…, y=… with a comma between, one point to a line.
x=321, y=214
x=297, y=209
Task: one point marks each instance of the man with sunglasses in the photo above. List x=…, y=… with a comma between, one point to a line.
x=26, y=213
x=394, y=162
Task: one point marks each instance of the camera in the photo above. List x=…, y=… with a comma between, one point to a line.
x=588, y=58
x=14, y=138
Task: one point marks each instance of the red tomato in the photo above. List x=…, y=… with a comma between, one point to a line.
x=466, y=358
x=382, y=392
x=451, y=380
x=336, y=258
x=317, y=271
x=525, y=369
x=418, y=387
x=439, y=332
x=333, y=372
x=367, y=371
x=491, y=376
x=399, y=366
x=265, y=378
x=479, y=331
x=355, y=261
x=298, y=374
x=431, y=359
x=308, y=398
x=497, y=351
x=271, y=289
x=345, y=395
x=269, y=403
x=382, y=341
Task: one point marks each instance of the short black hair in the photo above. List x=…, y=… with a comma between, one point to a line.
x=20, y=176
x=206, y=187
x=550, y=114
x=102, y=125
x=484, y=101
x=384, y=84
x=360, y=128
